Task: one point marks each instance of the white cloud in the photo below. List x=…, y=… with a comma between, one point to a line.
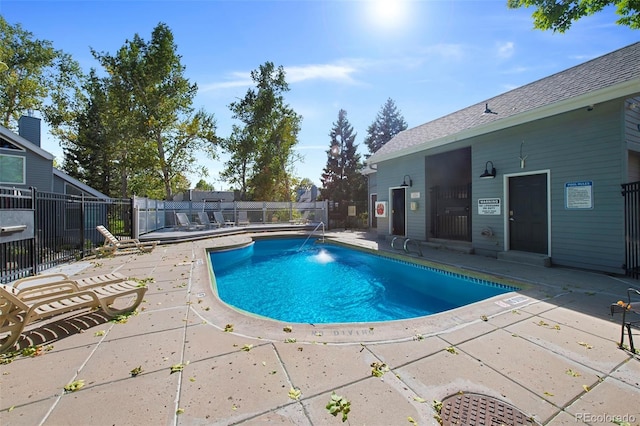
x=294, y=74
x=445, y=50
x=330, y=72
x=236, y=79
x=506, y=49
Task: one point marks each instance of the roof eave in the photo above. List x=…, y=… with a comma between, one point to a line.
x=625, y=89
x=24, y=143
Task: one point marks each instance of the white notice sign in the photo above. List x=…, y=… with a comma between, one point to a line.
x=489, y=206
x=578, y=195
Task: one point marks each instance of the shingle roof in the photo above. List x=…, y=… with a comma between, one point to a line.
x=599, y=75
x=24, y=143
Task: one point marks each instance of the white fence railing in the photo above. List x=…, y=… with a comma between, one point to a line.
x=154, y=214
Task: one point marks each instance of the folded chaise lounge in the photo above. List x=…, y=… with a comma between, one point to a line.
x=21, y=307
x=113, y=245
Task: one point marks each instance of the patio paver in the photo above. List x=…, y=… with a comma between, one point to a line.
x=511, y=356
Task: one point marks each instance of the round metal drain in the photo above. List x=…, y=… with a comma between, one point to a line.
x=469, y=409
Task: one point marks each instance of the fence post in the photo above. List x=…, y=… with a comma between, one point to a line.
x=36, y=241
x=132, y=218
x=82, y=213
x=264, y=212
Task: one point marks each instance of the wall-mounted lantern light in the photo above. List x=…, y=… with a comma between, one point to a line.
x=488, y=174
x=404, y=181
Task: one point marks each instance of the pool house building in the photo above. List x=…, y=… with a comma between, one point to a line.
x=545, y=173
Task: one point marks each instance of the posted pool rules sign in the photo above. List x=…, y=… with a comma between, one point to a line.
x=489, y=206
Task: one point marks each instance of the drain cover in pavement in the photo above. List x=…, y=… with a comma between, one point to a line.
x=470, y=409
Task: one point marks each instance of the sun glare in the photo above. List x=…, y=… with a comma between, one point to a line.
x=389, y=13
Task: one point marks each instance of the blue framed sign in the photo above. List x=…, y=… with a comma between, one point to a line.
x=578, y=195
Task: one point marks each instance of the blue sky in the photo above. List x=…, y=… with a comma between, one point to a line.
x=431, y=57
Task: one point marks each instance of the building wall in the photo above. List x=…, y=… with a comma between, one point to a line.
x=632, y=136
x=576, y=146
x=37, y=170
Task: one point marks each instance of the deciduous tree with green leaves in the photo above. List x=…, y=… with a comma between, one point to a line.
x=261, y=146
x=148, y=85
x=559, y=15
x=36, y=77
x=203, y=185
x=388, y=123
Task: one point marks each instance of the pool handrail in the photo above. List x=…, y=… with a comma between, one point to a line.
x=311, y=233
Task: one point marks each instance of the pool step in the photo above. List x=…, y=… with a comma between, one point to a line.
x=535, y=259
x=457, y=246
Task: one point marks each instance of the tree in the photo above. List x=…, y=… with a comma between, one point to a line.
x=341, y=177
x=35, y=72
x=559, y=15
x=203, y=185
x=305, y=183
x=89, y=157
x=149, y=87
x=388, y=123
x=261, y=147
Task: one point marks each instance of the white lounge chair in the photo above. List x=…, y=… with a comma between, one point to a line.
x=243, y=220
x=221, y=220
x=184, y=224
x=203, y=219
x=112, y=244
x=82, y=283
x=20, y=307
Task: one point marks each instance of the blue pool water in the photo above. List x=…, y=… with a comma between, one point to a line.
x=324, y=283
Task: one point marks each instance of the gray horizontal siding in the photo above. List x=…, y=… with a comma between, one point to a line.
x=391, y=175
x=37, y=170
x=576, y=146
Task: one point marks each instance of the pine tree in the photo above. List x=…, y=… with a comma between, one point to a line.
x=388, y=123
x=89, y=157
x=341, y=177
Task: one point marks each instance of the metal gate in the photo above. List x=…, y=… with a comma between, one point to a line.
x=39, y=230
x=451, y=212
x=631, y=194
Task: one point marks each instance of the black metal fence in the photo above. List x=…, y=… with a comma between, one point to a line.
x=348, y=214
x=631, y=194
x=451, y=212
x=39, y=230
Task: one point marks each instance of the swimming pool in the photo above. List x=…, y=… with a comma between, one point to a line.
x=285, y=280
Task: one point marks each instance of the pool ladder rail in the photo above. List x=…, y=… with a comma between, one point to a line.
x=405, y=246
x=314, y=230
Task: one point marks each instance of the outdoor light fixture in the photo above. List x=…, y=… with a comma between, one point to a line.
x=487, y=174
x=404, y=181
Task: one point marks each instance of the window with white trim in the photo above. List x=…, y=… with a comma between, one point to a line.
x=12, y=169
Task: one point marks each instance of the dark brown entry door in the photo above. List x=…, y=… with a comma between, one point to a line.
x=528, y=227
x=398, y=212
x=374, y=219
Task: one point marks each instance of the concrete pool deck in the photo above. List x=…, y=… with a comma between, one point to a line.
x=550, y=350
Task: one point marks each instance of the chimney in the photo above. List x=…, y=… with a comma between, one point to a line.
x=29, y=128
